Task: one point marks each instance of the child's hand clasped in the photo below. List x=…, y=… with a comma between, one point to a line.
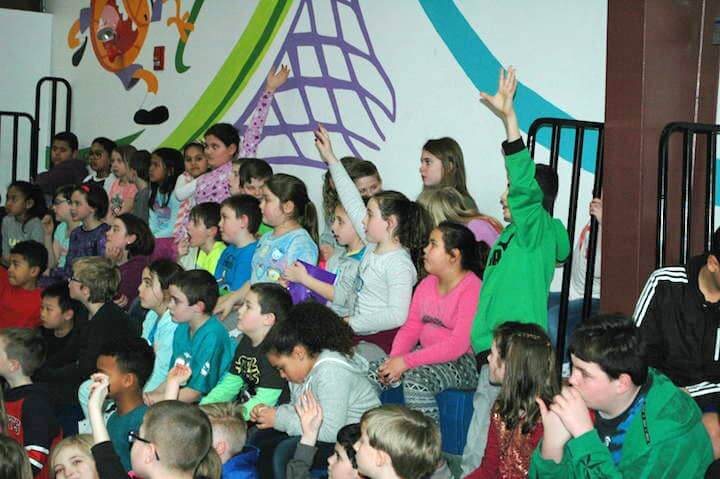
x=392, y=370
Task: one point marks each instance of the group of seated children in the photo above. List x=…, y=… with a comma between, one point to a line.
x=183, y=310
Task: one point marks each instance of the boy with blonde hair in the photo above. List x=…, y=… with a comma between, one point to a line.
x=397, y=443
x=229, y=433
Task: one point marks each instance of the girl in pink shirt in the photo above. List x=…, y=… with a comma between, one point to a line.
x=431, y=351
x=123, y=190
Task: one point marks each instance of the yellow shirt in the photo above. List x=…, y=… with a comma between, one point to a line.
x=209, y=262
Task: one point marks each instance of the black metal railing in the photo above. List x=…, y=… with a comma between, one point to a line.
x=54, y=81
x=32, y=138
x=689, y=131
x=580, y=128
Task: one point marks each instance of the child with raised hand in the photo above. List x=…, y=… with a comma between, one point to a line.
x=129, y=246
x=72, y=458
x=166, y=164
x=57, y=239
x=229, y=434
x=31, y=418
x=440, y=318
x=128, y=364
x=344, y=263
x=442, y=164
x=313, y=350
x=251, y=379
x=200, y=340
x=158, y=329
x=395, y=230
x=140, y=175
x=447, y=204
x=341, y=464
x=99, y=158
x=202, y=249
x=287, y=208
x=522, y=261
x=19, y=291
x=397, y=443
x=89, y=206
x=174, y=441
x=196, y=164
x=522, y=361
x=122, y=191
x=25, y=207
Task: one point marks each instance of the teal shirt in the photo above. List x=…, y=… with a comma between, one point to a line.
x=119, y=426
x=208, y=352
x=522, y=262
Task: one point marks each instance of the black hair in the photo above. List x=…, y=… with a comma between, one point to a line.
x=292, y=188
x=61, y=292
x=314, y=326
x=347, y=436
x=547, y=180
x=254, y=168
x=174, y=166
x=165, y=270
x=33, y=193
x=614, y=343
x=65, y=191
x=473, y=254
x=96, y=198
x=248, y=206
x=33, y=252
x=144, y=243
x=133, y=355
x=197, y=285
x=26, y=346
x=193, y=144
x=414, y=224
x=273, y=298
x=140, y=162
x=226, y=133
x=68, y=137
x=107, y=144
x=208, y=213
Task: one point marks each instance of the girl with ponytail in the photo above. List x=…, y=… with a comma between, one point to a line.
x=441, y=315
x=395, y=230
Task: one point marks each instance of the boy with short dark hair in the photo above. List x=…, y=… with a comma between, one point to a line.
x=521, y=263
x=201, y=341
x=65, y=167
x=239, y=223
x=248, y=178
x=203, y=227
x=128, y=364
x=644, y=425
x=19, y=294
x=30, y=416
x=397, y=443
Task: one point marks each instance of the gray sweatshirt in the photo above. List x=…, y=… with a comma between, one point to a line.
x=340, y=385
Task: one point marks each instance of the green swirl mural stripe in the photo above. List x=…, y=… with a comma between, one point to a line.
x=180, y=66
x=234, y=74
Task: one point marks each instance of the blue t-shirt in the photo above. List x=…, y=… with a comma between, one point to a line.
x=162, y=218
x=275, y=253
x=118, y=429
x=234, y=267
x=208, y=352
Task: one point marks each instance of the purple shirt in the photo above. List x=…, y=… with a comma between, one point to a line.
x=85, y=243
x=131, y=276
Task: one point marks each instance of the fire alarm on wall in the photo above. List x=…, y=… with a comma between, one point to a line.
x=159, y=58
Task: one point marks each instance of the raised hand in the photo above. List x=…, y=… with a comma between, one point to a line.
x=555, y=435
x=502, y=101
x=322, y=143
x=98, y=391
x=310, y=414
x=277, y=77
x=596, y=209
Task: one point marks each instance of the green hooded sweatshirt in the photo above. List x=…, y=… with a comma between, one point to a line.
x=676, y=445
x=522, y=262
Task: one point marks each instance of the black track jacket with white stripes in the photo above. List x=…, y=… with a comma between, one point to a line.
x=681, y=329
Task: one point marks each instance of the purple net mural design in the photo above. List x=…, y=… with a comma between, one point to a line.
x=316, y=41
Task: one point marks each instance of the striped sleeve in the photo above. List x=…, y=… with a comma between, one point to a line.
x=673, y=274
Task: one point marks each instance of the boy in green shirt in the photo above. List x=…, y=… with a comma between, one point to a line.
x=521, y=263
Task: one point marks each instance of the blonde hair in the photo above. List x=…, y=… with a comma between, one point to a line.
x=446, y=203
x=411, y=439
x=99, y=275
x=84, y=442
x=182, y=435
x=228, y=417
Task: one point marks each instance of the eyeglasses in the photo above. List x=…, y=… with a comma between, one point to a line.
x=76, y=280
x=134, y=436
x=57, y=202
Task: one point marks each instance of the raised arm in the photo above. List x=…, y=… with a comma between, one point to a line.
x=501, y=103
